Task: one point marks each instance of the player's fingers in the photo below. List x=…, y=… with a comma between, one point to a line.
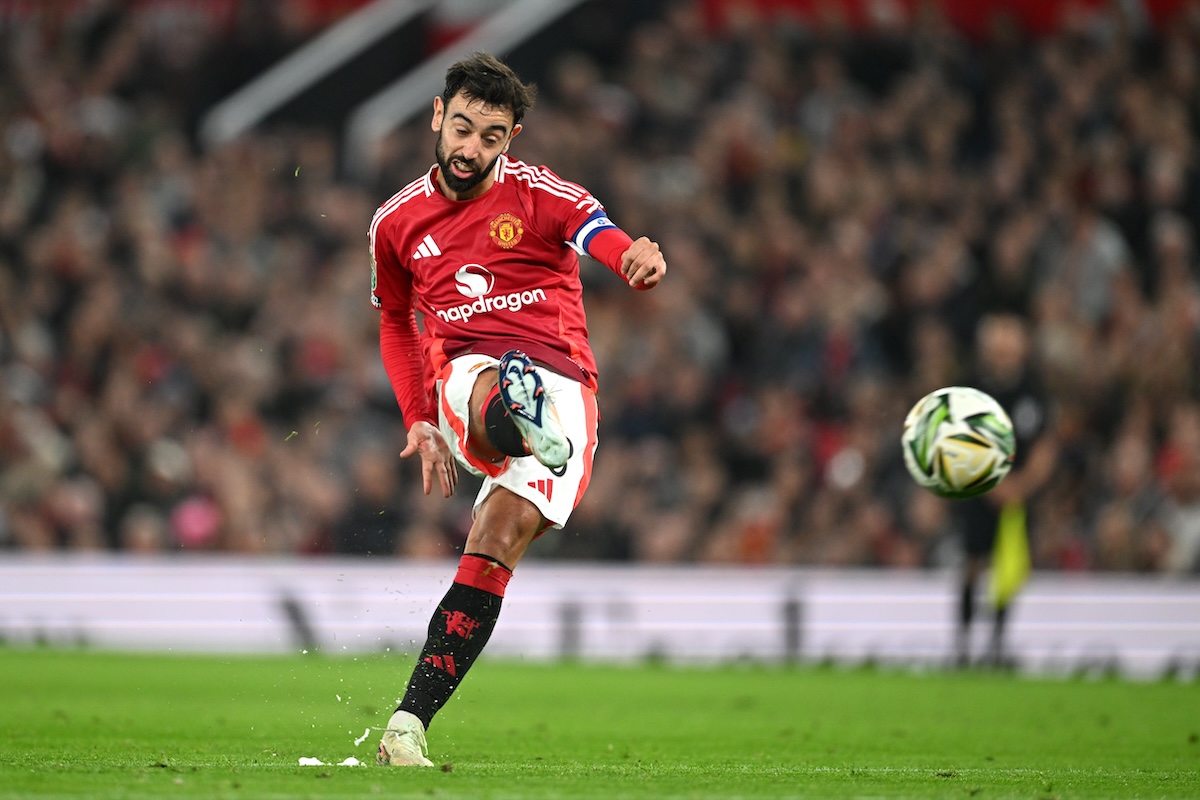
x=408, y=450
x=635, y=256
x=629, y=264
x=427, y=476
x=649, y=272
x=448, y=476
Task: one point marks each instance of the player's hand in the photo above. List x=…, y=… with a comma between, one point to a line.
x=643, y=264
x=427, y=441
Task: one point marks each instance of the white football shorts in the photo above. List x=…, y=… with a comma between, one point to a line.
x=554, y=495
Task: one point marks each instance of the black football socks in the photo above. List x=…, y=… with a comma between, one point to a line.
x=458, y=631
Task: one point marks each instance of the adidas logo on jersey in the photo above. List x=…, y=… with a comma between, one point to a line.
x=427, y=248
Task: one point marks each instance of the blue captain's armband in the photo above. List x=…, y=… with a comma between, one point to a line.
x=597, y=222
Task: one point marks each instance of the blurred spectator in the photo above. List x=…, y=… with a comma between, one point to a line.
x=1130, y=522
x=143, y=530
x=1179, y=467
x=372, y=521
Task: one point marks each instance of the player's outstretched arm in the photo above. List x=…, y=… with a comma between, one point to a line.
x=426, y=440
x=643, y=264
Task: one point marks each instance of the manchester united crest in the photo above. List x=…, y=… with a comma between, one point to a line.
x=506, y=231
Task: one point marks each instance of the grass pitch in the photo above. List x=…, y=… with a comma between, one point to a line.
x=84, y=724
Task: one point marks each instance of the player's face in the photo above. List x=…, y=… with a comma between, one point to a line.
x=471, y=136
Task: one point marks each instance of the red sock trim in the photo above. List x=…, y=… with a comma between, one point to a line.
x=484, y=574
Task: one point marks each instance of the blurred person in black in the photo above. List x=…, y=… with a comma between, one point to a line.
x=1003, y=369
x=372, y=520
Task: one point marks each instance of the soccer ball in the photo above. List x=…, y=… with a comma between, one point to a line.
x=958, y=442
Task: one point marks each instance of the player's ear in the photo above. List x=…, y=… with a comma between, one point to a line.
x=439, y=111
x=516, y=129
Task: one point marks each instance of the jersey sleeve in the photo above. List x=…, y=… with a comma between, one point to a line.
x=561, y=208
x=570, y=214
x=399, y=340
x=406, y=366
x=602, y=240
x=386, y=269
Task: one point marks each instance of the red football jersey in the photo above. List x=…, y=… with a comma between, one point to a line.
x=492, y=273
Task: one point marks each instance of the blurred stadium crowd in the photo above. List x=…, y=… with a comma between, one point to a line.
x=188, y=355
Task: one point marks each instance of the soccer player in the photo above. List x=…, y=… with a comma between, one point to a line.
x=501, y=380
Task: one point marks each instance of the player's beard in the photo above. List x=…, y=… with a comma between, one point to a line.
x=456, y=184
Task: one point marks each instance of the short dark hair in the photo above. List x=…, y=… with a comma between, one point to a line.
x=484, y=77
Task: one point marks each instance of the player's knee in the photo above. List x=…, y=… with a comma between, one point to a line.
x=504, y=526
x=499, y=427
x=487, y=413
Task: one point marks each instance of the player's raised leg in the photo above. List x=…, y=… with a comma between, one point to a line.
x=532, y=410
